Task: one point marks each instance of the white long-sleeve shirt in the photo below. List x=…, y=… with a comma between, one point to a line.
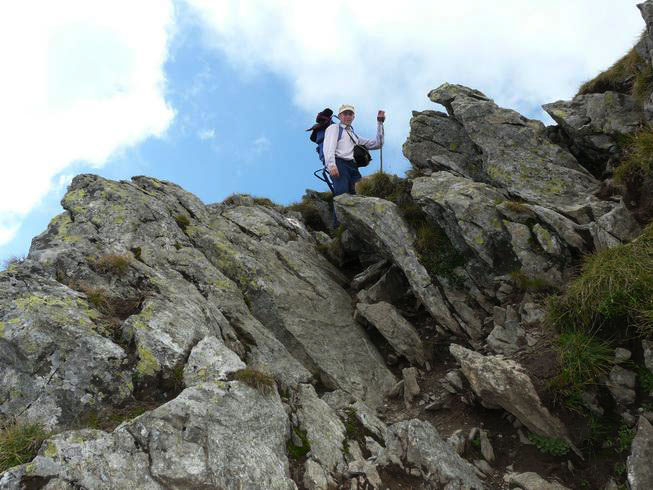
x=345, y=147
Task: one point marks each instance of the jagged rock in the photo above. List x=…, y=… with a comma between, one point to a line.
x=467, y=211
x=531, y=314
x=619, y=224
x=437, y=142
x=458, y=441
x=647, y=347
x=399, y=333
x=391, y=287
x=379, y=223
x=503, y=383
x=594, y=121
x=621, y=384
x=507, y=339
x=486, y=447
x=454, y=378
x=411, y=387
x=639, y=469
x=516, y=152
x=315, y=477
x=324, y=430
x=532, y=481
x=369, y=275
x=416, y=444
x=242, y=272
x=483, y=466
x=564, y=227
x=213, y=435
x=210, y=360
x=533, y=263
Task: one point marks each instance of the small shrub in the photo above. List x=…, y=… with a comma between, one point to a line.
x=583, y=358
x=98, y=298
x=615, y=286
x=624, y=439
x=619, y=469
x=264, y=201
x=256, y=379
x=550, y=445
x=19, y=443
x=517, y=207
x=643, y=84
x=638, y=160
x=182, y=221
x=112, y=264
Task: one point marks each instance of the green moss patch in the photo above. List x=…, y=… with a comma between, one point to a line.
x=298, y=452
x=182, y=221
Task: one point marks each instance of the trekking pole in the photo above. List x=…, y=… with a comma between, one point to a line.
x=381, y=155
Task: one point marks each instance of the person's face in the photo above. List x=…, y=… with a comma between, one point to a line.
x=346, y=117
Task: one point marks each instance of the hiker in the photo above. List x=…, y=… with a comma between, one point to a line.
x=338, y=149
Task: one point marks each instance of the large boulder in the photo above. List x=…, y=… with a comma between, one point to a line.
x=517, y=155
x=501, y=382
x=213, y=435
x=437, y=142
x=594, y=123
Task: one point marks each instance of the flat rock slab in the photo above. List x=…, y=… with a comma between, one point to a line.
x=211, y=360
x=399, y=333
x=500, y=382
x=532, y=481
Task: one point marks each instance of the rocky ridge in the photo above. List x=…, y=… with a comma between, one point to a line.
x=265, y=353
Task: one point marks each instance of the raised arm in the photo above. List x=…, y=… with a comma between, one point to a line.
x=375, y=143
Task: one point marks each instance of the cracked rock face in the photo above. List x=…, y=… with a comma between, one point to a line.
x=639, y=470
x=213, y=435
x=517, y=156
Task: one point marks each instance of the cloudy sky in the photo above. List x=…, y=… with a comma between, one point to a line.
x=215, y=94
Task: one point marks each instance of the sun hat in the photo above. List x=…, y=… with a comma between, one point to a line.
x=346, y=107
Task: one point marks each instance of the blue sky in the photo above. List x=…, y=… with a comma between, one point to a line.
x=215, y=96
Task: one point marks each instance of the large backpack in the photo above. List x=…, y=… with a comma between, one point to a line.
x=322, y=122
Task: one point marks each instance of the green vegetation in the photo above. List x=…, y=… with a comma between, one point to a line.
x=550, y=445
x=618, y=78
x=624, y=439
x=635, y=171
x=256, y=379
x=182, y=221
x=435, y=251
x=19, y=443
x=583, y=358
x=530, y=284
x=615, y=286
x=517, y=207
x=112, y=264
x=643, y=84
x=645, y=379
x=333, y=250
x=264, y=201
x=298, y=452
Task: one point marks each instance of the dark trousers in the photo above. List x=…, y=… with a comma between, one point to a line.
x=345, y=183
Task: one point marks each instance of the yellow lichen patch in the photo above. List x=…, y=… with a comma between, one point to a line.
x=72, y=199
x=2, y=328
x=50, y=450
x=147, y=364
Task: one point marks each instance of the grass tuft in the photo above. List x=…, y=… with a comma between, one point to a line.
x=615, y=287
x=618, y=78
x=19, y=443
x=113, y=264
x=550, y=445
x=298, y=452
x=583, y=359
x=182, y=221
x=256, y=379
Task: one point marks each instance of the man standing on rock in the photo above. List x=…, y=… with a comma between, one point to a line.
x=339, y=152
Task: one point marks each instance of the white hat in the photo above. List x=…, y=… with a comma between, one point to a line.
x=346, y=107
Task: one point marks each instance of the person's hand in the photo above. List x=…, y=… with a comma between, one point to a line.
x=333, y=171
x=380, y=116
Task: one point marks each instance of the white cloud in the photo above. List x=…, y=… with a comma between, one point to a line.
x=81, y=80
x=389, y=55
x=206, y=134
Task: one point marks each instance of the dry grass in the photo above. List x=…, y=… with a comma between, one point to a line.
x=618, y=78
x=182, y=221
x=113, y=264
x=256, y=379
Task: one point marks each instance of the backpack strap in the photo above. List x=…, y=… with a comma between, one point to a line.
x=340, y=130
